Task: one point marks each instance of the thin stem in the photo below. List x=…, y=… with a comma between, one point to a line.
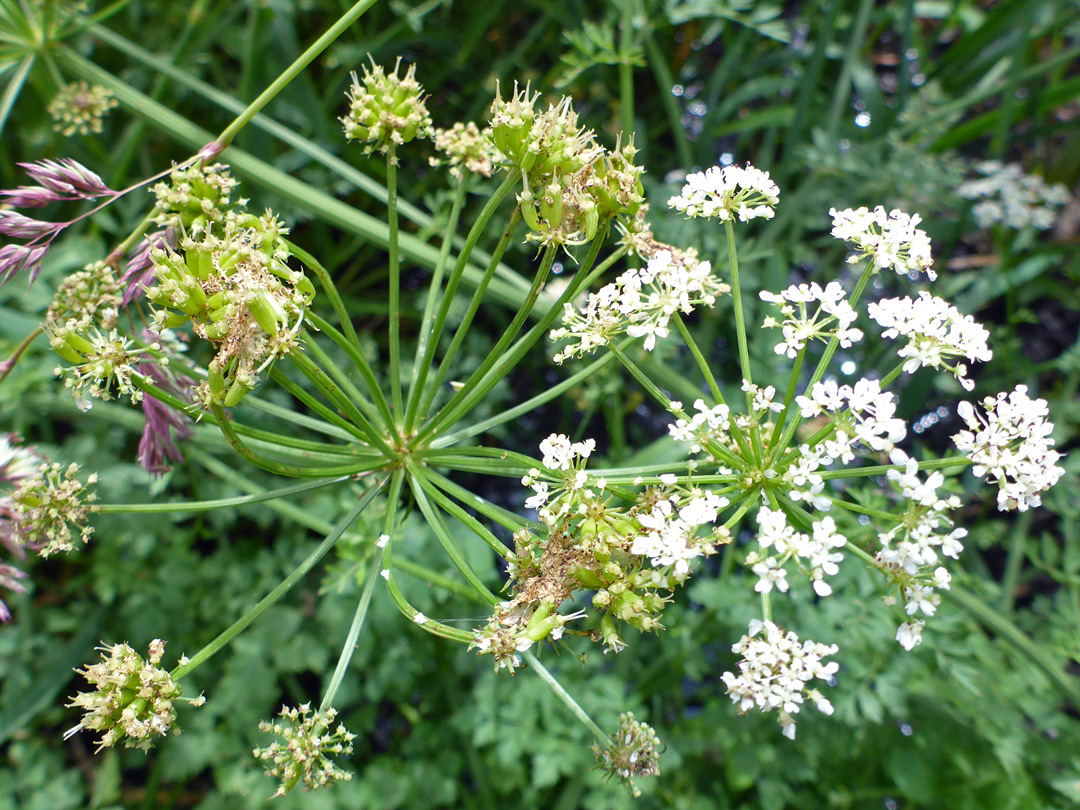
x=789, y=397
x=427, y=320
x=395, y=285
x=294, y=471
x=218, y=503
x=360, y=363
x=478, y=227
x=291, y=72
x=863, y=472
x=449, y=412
x=826, y=358
x=354, y=633
x=892, y=375
x=565, y=697
x=736, y=295
x=327, y=415
x=466, y=320
x=714, y=448
x=341, y=377
x=1014, y=562
x=9, y=364
x=329, y=288
x=286, y=585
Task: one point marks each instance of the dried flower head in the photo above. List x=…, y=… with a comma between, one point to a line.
x=634, y=752
x=386, y=110
x=89, y=297
x=309, y=740
x=466, y=147
x=51, y=509
x=80, y=108
x=132, y=699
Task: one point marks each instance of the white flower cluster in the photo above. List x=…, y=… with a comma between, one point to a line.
x=890, y=239
x=936, y=333
x=775, y=673
x=704, y=427
x=817, y=552
x=1008, y=196
x=800, y=327
x=721, y=192
x=640, y=303
x=862, y=414
x=669, y=529
x=909, y=551
x=559, y=455
x=762, y=402
x=1010, y=444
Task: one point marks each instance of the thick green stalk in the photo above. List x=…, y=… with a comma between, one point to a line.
x=736, y=295
x=789, y=397
x=184, y=507
x=416, y=385
x=286, y=585
x=293, y=70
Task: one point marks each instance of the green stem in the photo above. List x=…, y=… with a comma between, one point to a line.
x=466, y=321
x=450, y=412
x=340, y=376
x=291, y=72
x=789, y=397
x=892, y=375
x=560, y=692
x=354, y=633
x=529, y=405
x=294, y=471
x=452, y=509
x=395, y=286
x=478, y=227
x=359, y=362
x=426, y=322
x=9, y=364
x=286, y=585
x=826, y=358
x=218, y=503
x=328, y=416
x=329, y=288
x=720, y=452
x=863, y=472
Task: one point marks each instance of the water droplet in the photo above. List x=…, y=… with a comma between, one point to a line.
x=859, y=105
x=864, y=520
x=890, y=804
x=942, y=412
x=912, y=53
x=906, y=730
x=698, y=108
x=919, y=79
x=677, y=90
x=862, y=119
x=557, y=268
x=848, y=367
x=845, y=144
x=727, y=159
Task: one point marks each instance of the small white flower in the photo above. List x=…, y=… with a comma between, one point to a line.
x=889, y=239
x=720, y=192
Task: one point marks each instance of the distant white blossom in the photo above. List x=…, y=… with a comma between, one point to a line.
x=1008, y=196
